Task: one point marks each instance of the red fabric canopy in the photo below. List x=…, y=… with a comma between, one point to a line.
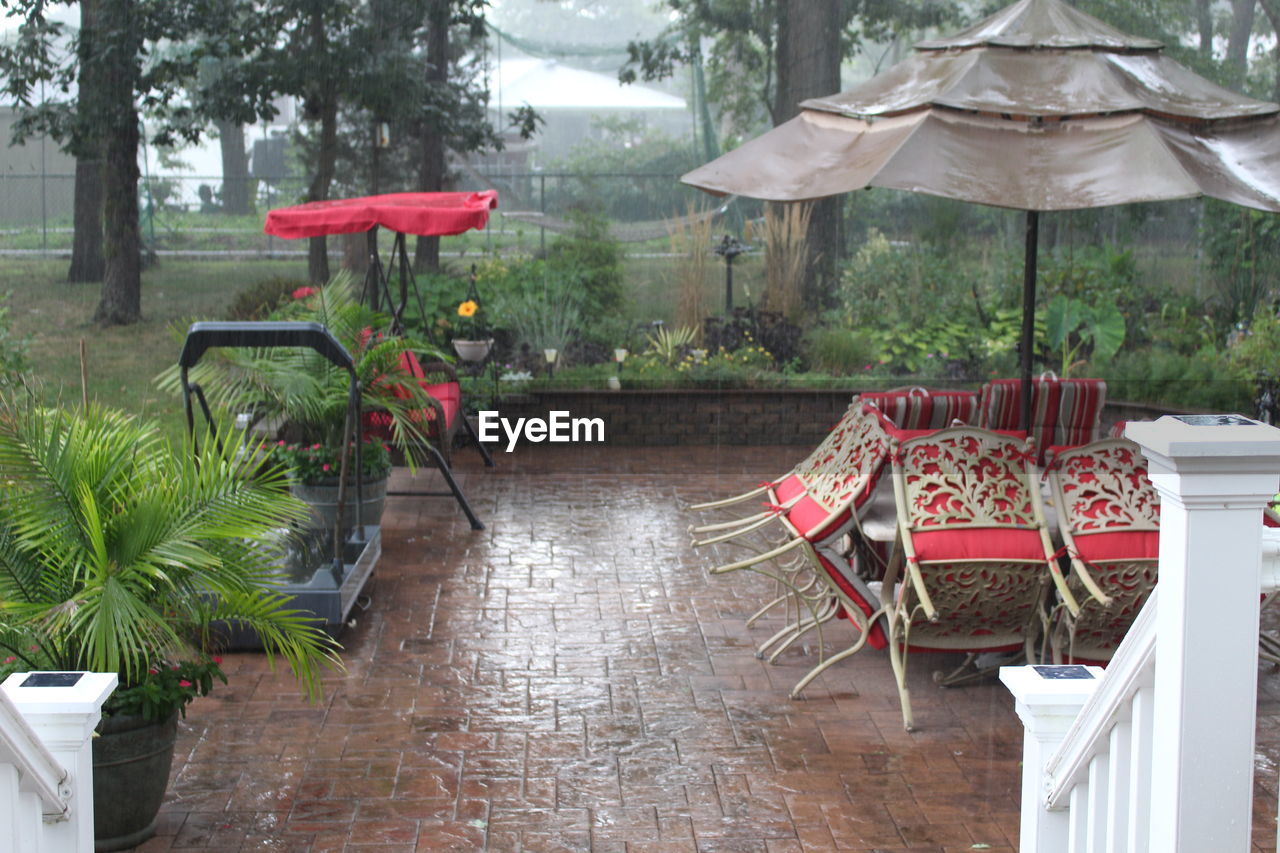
x=426, y=214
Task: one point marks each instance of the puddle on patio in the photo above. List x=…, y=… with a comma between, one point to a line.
x=571, y=679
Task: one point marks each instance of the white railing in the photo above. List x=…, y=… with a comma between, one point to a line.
x=46, y=774
x=1146, y=757
x=1102, y=772
x=31, y=781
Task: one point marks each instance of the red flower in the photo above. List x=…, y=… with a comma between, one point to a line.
x=304, y=292
x=153, y=672
x=10, y=659
x=184, y=683
x=315, y=447
x=217, y=660
x=325, y=467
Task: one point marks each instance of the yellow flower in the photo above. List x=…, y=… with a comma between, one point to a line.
x=468, y=308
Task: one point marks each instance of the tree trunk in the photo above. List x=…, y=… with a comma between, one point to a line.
x=323, y=105
x=1242, y=14
x=326, y=162
x=121, y=302
x=235, y=169
x=1204, y=22
x=87, y=262
x=431, y=171
x=1272, y=10
x=86, y=242
x=808, y=54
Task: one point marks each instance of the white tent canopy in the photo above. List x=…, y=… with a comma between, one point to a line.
x=546, y=84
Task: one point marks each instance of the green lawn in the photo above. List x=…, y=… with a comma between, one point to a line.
x=122, y=362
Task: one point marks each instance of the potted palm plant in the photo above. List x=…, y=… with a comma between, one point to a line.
x=302, y=397
x=120, y=553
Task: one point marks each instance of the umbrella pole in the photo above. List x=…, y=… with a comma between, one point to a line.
x=1028, y=314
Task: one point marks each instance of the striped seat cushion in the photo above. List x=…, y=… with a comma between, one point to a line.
x=924, y=409
x=1064, y=412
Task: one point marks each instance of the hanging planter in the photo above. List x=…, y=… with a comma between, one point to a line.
x=472, y=350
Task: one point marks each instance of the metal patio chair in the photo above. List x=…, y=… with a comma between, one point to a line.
x=975, y=561
x=1109, y=517
x=812, y=560
x=784, y=490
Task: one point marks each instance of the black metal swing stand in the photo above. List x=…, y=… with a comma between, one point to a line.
x=328, y=586
x=376, y=292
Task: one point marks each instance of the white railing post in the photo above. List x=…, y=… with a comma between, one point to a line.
x=63, y=715
x=1214, y=475
x=1047, y=706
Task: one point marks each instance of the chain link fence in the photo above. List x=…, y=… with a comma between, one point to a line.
x=192, y=216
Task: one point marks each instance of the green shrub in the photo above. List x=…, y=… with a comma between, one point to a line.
x=550, y=320
x=888, y=284
x=669, y=345
x=257, y=301
x=1202, y=380
x=753, y=327
x=13, y=349
x=1183, y=326
x=433, y=311
x=1089, y=273
x=588, y=262
x=1242, y=246
x=839, y=351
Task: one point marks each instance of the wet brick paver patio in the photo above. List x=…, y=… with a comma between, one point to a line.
x=571, y=679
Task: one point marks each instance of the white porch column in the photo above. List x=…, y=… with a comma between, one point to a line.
x=1214, y=475
x=1047, y=706
x=64, y=716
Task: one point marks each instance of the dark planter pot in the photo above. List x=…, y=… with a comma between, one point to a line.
x=131, y=762
x=323, y=501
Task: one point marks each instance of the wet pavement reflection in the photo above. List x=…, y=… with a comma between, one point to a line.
x=571, y=679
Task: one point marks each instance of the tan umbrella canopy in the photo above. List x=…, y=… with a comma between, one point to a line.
x=1039, y=107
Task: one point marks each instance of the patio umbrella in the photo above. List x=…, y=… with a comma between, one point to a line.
x=1039, y=107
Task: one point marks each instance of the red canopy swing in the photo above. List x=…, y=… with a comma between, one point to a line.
x=423, y=214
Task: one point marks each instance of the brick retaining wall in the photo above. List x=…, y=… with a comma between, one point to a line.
x=688, y=417
x=736, y=417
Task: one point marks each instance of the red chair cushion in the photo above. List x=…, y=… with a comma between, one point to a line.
x=851, y=587
x=789, y=488
x=1100, y=548
x=980, y=543
x=907, y=434
x=449, y=395
x=807, y=516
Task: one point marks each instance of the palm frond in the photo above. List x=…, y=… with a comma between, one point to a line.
x=112, y=544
